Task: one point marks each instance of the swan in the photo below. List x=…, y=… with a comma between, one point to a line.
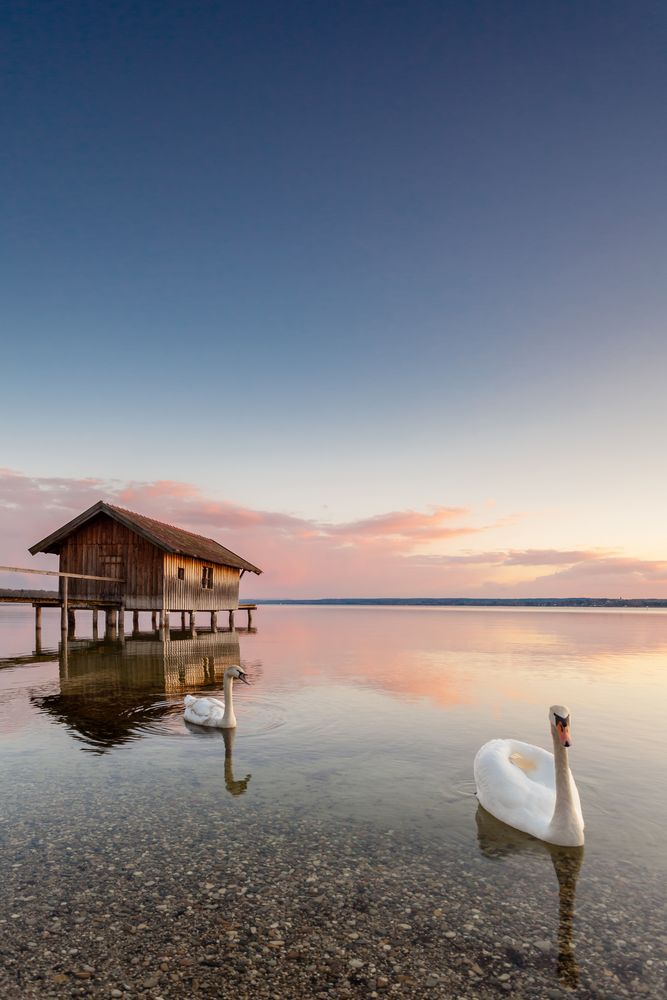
x=213, y=711
x=531, y=789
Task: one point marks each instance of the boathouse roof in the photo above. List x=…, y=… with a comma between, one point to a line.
x=165, y=536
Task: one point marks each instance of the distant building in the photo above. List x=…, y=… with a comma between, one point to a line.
x=160, y=567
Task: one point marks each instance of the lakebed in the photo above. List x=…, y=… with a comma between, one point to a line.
x=332, y=846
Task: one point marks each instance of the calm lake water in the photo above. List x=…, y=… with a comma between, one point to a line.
x=124, y=832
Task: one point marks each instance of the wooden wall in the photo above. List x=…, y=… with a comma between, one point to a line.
x=103, y=547
x=189, y=595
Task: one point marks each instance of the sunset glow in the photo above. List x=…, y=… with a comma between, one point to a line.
x=382, y=555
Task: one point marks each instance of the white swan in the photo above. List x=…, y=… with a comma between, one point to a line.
x=531, y=789
x=213, y=711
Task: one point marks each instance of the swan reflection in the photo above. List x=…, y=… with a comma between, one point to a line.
x=235, y=786
x=497, y=841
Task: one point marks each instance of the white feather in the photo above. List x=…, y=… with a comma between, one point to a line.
x=516, y=783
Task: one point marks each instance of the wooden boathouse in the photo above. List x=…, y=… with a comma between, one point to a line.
x=118, y=560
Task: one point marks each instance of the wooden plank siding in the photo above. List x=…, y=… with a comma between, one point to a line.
x=103, y=547
x=188, y=594
x=147, y=559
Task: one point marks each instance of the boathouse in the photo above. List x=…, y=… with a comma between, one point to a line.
x=153, y=566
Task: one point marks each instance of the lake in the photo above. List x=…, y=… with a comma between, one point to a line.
x=332, y=845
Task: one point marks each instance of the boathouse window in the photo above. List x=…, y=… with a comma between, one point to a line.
x=207, y=577
x=181, y=573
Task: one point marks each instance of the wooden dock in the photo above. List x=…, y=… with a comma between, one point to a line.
x=114, y=610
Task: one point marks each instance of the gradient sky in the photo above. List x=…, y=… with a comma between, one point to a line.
x=374, y=293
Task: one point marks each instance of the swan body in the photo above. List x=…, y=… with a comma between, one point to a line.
x=213, y=711
x=531, y=789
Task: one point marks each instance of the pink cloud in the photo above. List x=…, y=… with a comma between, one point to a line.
x=404, y=524
x=375, y=556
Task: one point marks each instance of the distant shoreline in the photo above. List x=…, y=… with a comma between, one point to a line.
x=476, y=602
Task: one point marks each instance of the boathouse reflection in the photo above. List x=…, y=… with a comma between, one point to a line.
x=497, y=840
x=113, y=691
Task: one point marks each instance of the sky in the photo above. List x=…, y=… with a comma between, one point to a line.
x=372, y=293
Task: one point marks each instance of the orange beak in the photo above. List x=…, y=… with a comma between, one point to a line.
x=564, y=734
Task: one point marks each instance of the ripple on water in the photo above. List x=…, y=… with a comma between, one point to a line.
x=261, y=715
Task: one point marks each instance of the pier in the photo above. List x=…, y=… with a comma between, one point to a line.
x=114, y=610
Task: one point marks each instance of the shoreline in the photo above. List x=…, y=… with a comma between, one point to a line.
x=471, y=602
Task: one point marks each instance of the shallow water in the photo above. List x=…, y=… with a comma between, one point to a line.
x=353, y=753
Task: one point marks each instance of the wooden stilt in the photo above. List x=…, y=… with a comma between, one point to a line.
x=121, y=621
x=231, y=619
x=38, y=629
x=71, y=622
x=63, y=609
x=111, y=618
x=94, y=623
x=249, y=617
x=214, y=621
x=183, y=621
x=135, y=621
x=153, y=619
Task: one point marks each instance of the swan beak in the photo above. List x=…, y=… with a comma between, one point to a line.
x=243, y=677
x=564, y=734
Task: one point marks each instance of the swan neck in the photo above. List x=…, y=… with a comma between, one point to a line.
x=566, y=827
x=228, y=718
x=563, y=776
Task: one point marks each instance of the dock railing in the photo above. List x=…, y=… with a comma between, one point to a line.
x=65, y=578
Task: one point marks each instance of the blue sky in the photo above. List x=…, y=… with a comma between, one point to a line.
x=341, y=259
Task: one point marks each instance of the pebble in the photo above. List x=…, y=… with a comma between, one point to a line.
x=387, y=919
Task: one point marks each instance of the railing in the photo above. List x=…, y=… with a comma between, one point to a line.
x=66, y=577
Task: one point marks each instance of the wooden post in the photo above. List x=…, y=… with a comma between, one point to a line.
x=71, y=622
x=94, y=623
x=110, y=621
x=214, y=621
x=38, y=629
x=154, y=619
x=192, y=620
x=121, y=621
x=183, y=621
x=135, y=621
x=231, y=619
x=63, y=610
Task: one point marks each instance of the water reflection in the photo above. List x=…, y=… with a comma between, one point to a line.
x=235, y=786
x=115, y=691
x=497, y=840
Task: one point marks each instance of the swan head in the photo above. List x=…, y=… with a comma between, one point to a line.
x=559, y=717
x=235, y=673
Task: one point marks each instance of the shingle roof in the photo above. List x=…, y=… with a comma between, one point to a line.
x=165, y=536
